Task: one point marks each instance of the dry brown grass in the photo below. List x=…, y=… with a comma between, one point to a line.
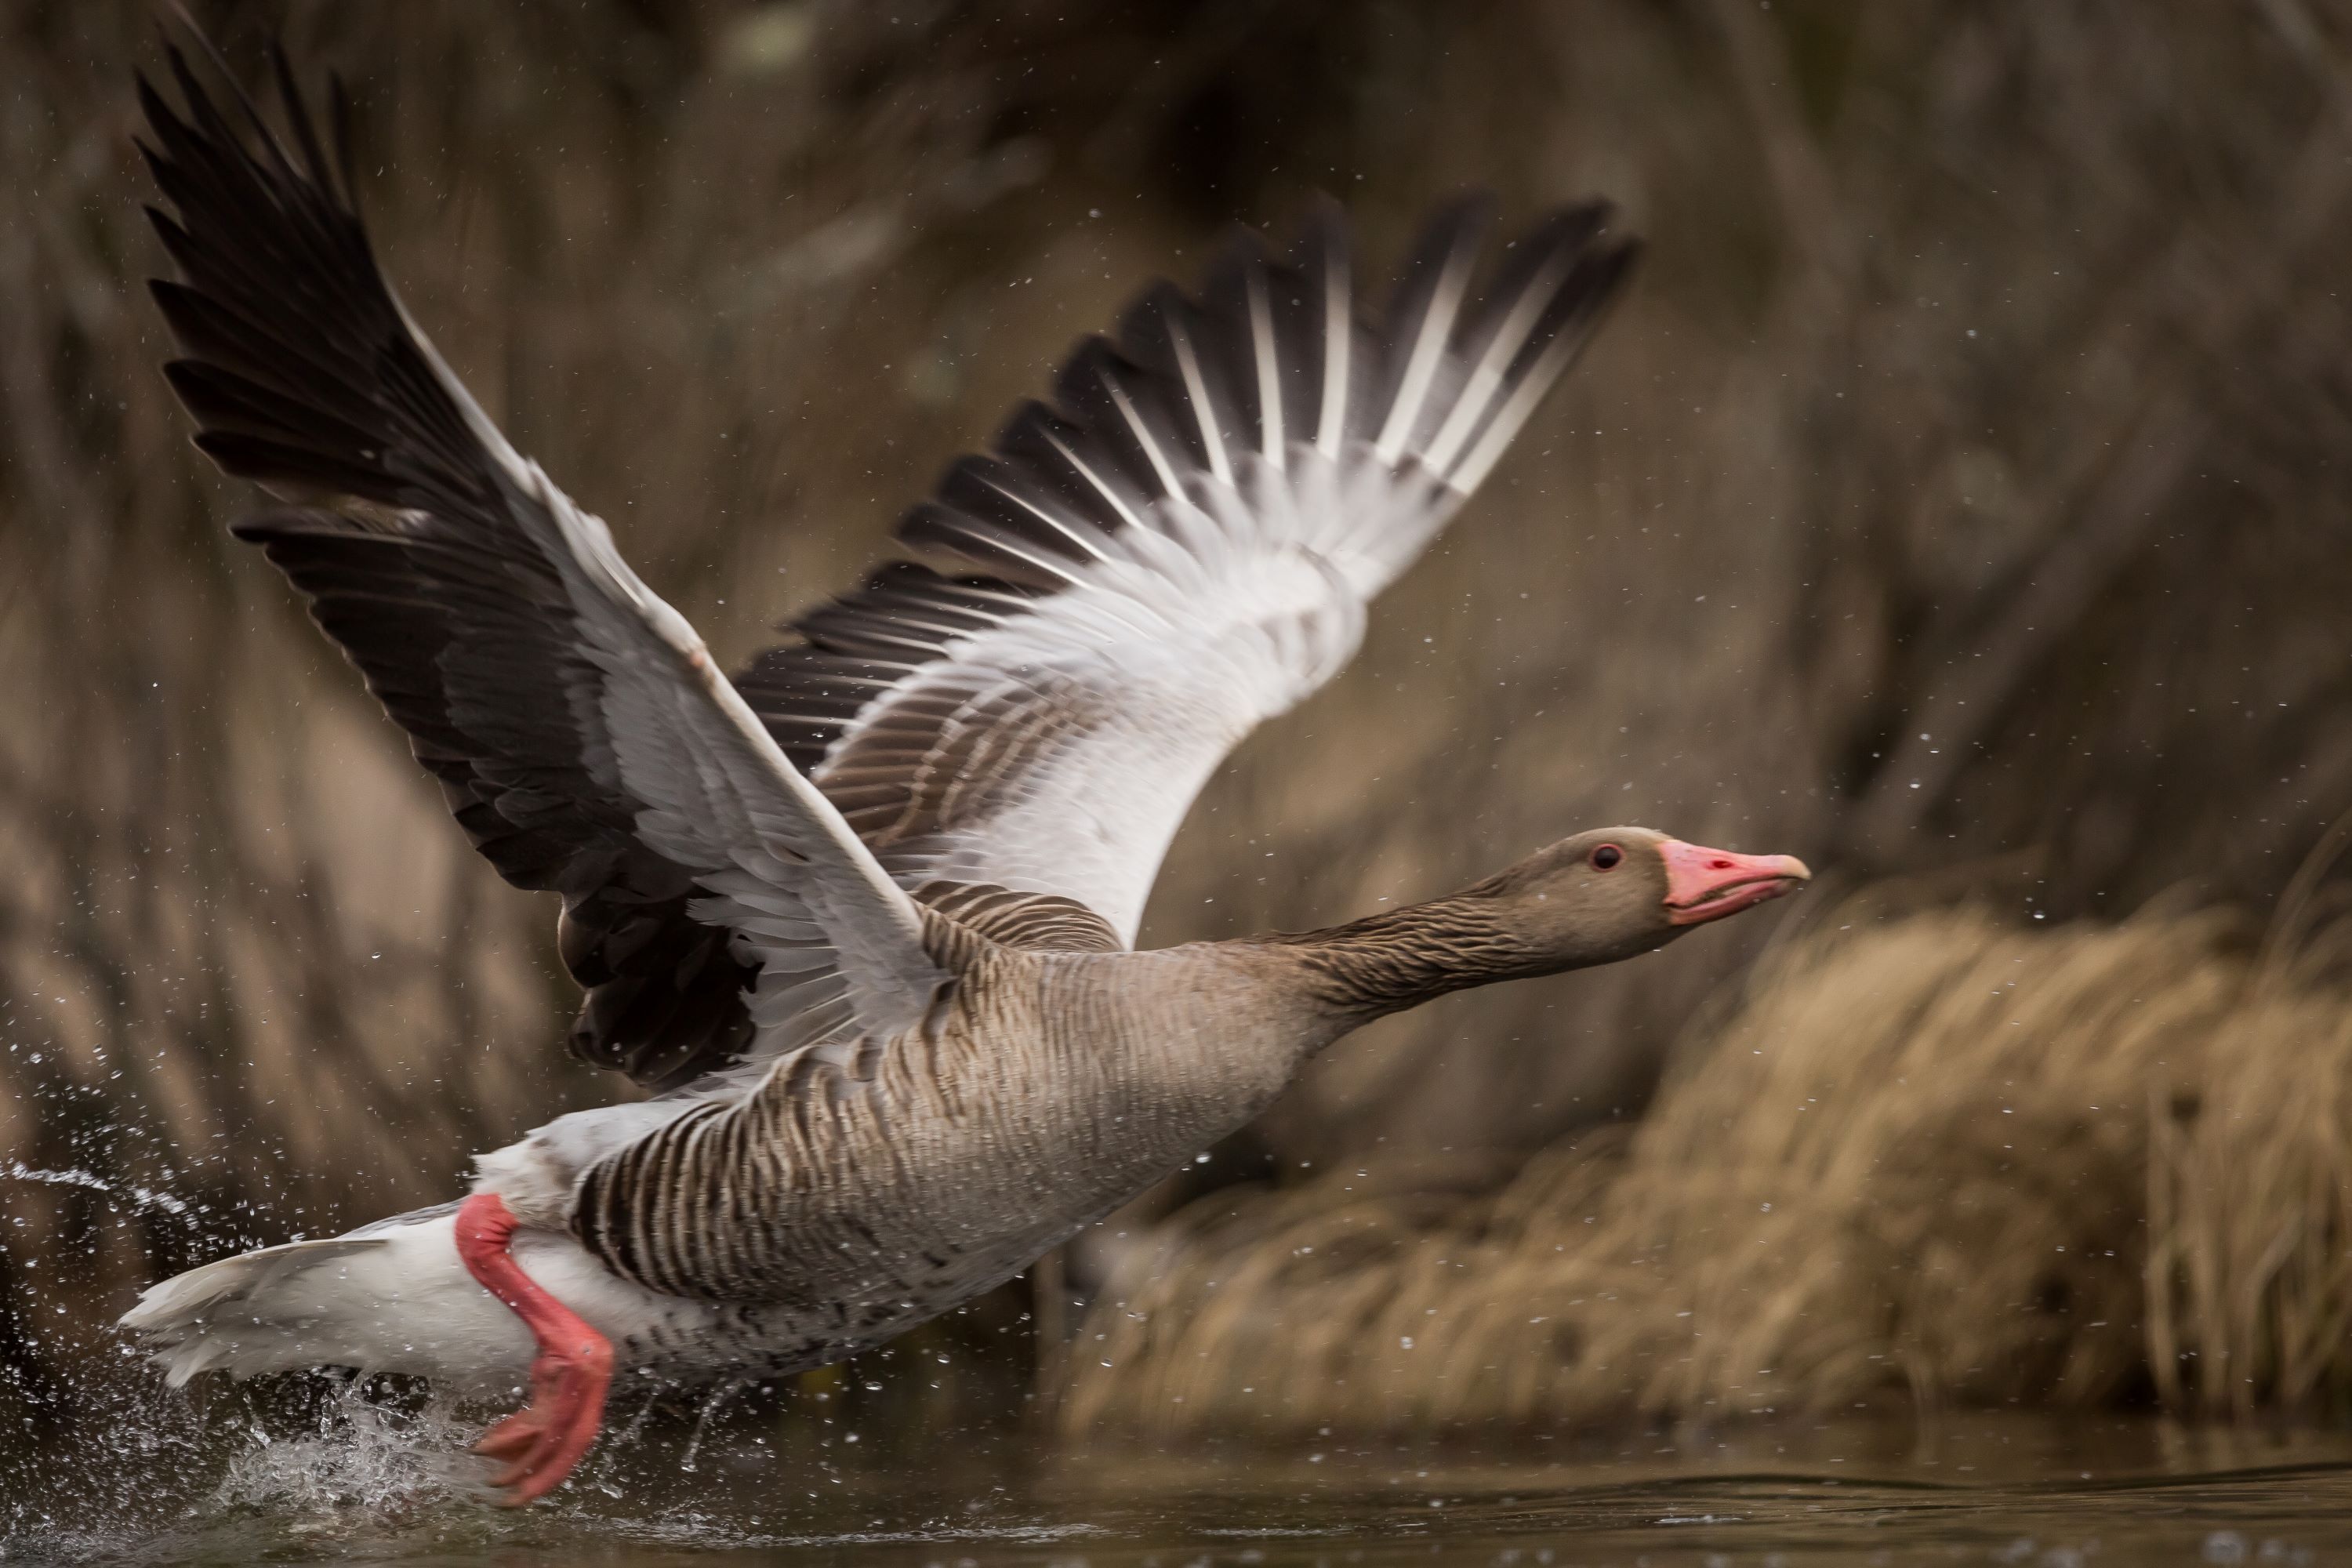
x=1940, y=1157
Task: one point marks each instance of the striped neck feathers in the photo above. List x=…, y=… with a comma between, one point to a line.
x=1401, y=958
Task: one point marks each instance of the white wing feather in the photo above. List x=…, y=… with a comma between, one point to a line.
x=1177, y=569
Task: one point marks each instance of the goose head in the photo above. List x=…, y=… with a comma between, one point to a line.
x=1617, y=891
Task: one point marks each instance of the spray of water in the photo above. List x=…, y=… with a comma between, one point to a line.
x=363, y=1461
x=138, y=1197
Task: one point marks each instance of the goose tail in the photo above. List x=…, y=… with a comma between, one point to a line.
x=390, y=1297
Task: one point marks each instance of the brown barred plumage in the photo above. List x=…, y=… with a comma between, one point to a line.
x=1046, y=921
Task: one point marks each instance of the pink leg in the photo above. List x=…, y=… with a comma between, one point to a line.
x=574, y=1368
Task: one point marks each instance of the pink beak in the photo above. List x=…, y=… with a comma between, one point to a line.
x=1704, y=885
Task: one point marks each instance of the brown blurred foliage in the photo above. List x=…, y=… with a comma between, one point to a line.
x=1961, y=494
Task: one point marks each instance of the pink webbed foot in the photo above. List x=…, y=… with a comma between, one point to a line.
x=543, y=1440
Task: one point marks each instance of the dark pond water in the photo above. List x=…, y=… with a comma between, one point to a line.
x=1977, y=1489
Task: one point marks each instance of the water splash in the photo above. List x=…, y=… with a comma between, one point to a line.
x=139, y=1197
x=715, y=1402
x=362, y=1463
x=295, y=1465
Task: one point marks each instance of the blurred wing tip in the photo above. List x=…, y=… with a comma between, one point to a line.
x=199, y=119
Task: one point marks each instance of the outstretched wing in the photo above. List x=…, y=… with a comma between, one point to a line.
x=582, y=736
x=1182, y=546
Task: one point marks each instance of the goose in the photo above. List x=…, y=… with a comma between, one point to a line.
x=860, y=920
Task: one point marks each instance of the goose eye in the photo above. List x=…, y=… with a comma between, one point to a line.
x=1606, y=856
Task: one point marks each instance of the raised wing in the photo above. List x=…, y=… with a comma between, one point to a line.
x=577, y=725
x=1182, y=547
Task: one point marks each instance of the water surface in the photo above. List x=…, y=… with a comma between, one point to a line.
x=381, y=1486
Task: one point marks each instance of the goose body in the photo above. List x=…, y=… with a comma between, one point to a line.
x=862, y=916
x=1055, y=1088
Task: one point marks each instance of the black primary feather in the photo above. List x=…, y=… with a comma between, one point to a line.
x=405, y=529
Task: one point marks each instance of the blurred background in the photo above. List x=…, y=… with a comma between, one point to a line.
x=1961, y=499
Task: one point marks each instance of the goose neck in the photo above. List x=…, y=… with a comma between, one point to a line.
x=1401, y=958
